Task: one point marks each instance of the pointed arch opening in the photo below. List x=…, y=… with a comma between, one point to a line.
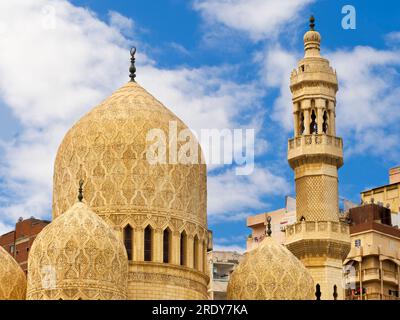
x=313, y=123
x=183, y=249
x=128, y=241
x=325, y=123
x=148, y=243
x=318, y=291
x=167, y=242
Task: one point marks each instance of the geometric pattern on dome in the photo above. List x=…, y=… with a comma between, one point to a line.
x=12, y=278
x=270, y=272
x=317, y=198
x=77, y=256
x=107, y=149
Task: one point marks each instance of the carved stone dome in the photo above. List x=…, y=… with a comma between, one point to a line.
x=270, y=272
x=12, y=278
x=77, y=256
x=107, y=148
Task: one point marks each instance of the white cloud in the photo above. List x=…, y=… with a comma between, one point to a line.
x=261, y=19
x=58, y=61
x=121, y=23
x=393, y=37
x=277, y=66
x=368, y=100
x=234, y=195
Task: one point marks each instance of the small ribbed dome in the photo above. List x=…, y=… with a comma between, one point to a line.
x=12, y=278
x=270, y=272
x=312, y=36
x=77, y=256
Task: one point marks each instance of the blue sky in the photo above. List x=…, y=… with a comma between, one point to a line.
x=217, y=64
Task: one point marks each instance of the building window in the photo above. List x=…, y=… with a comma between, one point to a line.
x=128, y=241
x=148, y=243
x=357, y=243
x=196, y=253
x=167, y=246
x=183, y=248
x=12, y=249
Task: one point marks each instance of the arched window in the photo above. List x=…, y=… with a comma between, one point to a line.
x=313, y=124
x=318, y=291
x=128, y=241
x=196, y=253
x=335, y=294
x=183, y=248
x=167, y=246
x=148, y=243
x=325, y=123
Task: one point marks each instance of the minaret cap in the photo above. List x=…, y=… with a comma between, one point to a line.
x=312, y=39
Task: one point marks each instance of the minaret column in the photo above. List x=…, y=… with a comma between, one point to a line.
x=306, y=105
x=331, y=105
x=320, y=105
x=296, y=123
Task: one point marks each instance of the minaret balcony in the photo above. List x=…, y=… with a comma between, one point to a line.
x=315, y=145
x=329, y=238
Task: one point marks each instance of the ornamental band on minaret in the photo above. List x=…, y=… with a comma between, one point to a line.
x=315, y=154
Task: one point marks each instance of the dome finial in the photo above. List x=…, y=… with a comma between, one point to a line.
x=80, y=193
x=132, y=69
x=269, y=232
x=312, y=24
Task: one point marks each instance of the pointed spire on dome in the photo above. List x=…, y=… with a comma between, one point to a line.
x=132, y=69
x=269, y=231
x=80, y=193
x=312, y=24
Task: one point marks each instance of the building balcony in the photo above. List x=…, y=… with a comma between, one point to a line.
x=373, y=274
x=317, y=230
x=314, y=145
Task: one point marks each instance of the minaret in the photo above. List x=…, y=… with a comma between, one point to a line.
x=315, y=154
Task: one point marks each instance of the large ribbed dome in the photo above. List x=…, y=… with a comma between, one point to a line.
x=77, y=256
x=107, y=149
x=12, y=278
x=270, y=272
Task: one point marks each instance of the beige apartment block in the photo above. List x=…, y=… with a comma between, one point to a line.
x=315, y=154
x=386, y=195
x=221, y=265
x=279, y=220
x=373, y=264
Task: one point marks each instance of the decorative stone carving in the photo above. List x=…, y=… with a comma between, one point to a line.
x=270, y=272
x=12, y=278
x=77, y=256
